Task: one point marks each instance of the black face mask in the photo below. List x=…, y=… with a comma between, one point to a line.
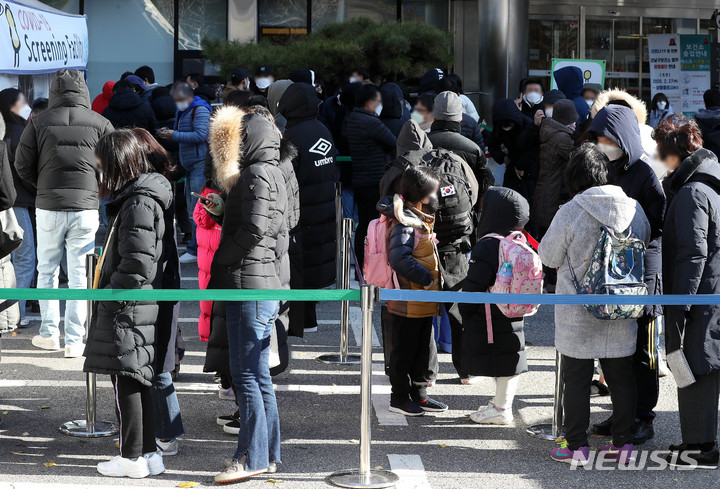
x=432, y=206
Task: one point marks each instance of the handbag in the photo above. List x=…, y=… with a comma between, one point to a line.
x=679, y=365
x=11, y=234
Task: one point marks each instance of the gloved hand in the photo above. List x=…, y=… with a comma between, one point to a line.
x=217, y=208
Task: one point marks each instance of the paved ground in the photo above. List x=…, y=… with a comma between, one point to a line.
x=320, y=416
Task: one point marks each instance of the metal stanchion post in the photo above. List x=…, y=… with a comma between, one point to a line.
x=339, y=234
x=554, y=430
x=344, y=358
x=89, y=427
x=365, y=477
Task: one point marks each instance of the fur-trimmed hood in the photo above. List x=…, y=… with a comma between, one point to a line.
x=394, y=208
x=637, y=106
x=240, y=138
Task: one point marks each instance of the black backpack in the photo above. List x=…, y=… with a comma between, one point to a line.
x=454, y=218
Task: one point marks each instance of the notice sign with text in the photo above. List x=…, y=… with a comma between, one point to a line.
x=664, y=58
x=37, y=41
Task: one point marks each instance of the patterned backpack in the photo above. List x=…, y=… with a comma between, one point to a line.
x=617, y=267
x=519, y=272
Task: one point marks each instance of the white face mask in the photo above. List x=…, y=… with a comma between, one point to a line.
x=262, y=83
x=508, y=127
x=661, y=105
x=532, y=98
x=589, y=102
x=182, y=106
x=613, y=153
x=25, y=112
x=378, y=111
x=549, y=112
x=417, y=117
x=352, y=79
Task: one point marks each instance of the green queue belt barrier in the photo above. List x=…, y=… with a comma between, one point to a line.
x=343, y=159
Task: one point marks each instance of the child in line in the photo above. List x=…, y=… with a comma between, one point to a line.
x=503, y=211
x=414, y=258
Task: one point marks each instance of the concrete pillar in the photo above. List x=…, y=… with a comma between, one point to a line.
x=503, y=37
x=242, y=20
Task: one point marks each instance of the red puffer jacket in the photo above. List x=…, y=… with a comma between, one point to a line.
x=208, y=240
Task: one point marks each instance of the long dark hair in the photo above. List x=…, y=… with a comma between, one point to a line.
x=156, y=155
x=417, y=183
x=123, y=160
x=8, y=98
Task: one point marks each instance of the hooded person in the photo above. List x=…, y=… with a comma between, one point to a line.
x=253, y=246
x=570, y=82
x=274, y=94
x=445, y=132
x=430, y=79
x=502, y=356
x=101, y=101
x=127, y=109
x=616, y=130
x=316, y=175
x=580, y=337
x=302, y=75
x=393, y=112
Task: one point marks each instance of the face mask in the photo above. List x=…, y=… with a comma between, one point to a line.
x=613, y=153
x=432, y=206
x=378, y=111
x=417, y=117
x=661, y=105
x=589, y=102
x=549, y=112
x=572, y=126
x=508, y=127
x=532, y=98
x=182, y=106
x=262, y=83
x=25, y=112
x=352, y=79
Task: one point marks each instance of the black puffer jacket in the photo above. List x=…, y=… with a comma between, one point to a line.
x=168, y=311
x=556, y=143
x=316, y=175
x=372, y=147
x=127, y=109
x=246, y=149
x=446, y=135
x=122, y=336
x=9, y=310
x=504, y=210
x=520, y=144
x=56, y=154
x=708, y=120
x=13, y=133
x=393, y=113
x=471, y=130
x=691, y=259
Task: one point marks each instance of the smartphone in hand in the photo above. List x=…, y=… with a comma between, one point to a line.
x=204, y=200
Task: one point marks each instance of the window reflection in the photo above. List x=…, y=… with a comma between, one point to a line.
x=200, y=19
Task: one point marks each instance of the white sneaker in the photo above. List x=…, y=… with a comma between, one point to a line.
x=124, y=467
x=24, y=323
x=51, y=343
x=311, y=330
x=492, y=415
x=167, y=448
x=663, y=370
x=74, y=350
x=155, y=463
x=226, y=394
x=188, y=258
x=235, y=472
x=470, y=380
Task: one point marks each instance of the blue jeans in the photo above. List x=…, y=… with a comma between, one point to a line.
x=194, y=182
x=168, y=421
x=248, y=328
x=23, y=259
x=73, y=232
x=349, y=207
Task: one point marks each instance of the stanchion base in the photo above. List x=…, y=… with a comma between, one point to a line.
x=355, y=479
x=335, y=359
x=79, y=428
x=543, y=431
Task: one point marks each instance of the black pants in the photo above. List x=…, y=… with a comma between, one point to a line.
x=366, y=199
x=455, y=266
x=645, y=368
x=577, y=375
x=310, y=314
x=181, y=211
x=409, y=358
x=134, y=409
x=698, y=409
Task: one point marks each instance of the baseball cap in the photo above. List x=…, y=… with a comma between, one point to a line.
x=238, y=75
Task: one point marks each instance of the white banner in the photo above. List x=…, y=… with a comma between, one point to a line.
x=664, y=58
x=36, y=41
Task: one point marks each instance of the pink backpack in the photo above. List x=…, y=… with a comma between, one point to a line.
x=525, y=277
x=377, y=269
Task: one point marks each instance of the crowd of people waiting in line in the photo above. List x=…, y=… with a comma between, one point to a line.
x=259, y=176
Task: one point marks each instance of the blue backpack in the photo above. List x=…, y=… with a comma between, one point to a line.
x=617, y=267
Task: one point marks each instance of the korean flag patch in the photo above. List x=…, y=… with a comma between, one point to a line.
x=447, y=191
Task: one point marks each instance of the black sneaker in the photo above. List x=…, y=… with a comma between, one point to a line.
x=602, y=429
x=223, y=420
x=430, y=404
x=598, y=389
x=693, y=457
x=408, y=408
x=644, y=431
x=232, y=428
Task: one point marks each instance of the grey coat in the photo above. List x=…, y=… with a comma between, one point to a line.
x=574, y=234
